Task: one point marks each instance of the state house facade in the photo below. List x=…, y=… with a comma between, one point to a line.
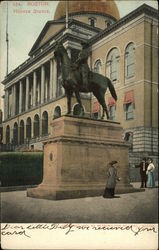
x=124, y=49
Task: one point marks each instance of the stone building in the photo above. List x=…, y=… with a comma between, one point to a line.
x=1, y=114
x=123, y=49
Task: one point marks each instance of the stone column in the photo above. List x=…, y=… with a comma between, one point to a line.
x=32, y=128
x=34, y=88
x=6, y=101
x=51, y=79
x=42, y=83
x=5, y=105
x=14, y=99
x=54, y=78
x=27, y=93
x=18, y=133
x=69, y=52
x=20, y=96
x=38, y=92
x=46, y=89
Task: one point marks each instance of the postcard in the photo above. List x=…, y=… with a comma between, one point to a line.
x=79, y=125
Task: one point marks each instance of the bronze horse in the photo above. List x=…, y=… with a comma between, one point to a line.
x=71, y=80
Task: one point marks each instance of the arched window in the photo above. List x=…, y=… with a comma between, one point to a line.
x=15, y=134
x=28, y=128
x=130, y=60
x=108, y=23
x=57, y=112
x=44, y=123
x=77, y=109
x=7, y=134
x=21, y=132
x=98, y=67
x=112, y=65
x=36, y=126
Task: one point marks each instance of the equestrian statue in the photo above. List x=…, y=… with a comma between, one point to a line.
x=77, y=77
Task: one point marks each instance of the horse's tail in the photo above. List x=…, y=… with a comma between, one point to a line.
x=112, y=89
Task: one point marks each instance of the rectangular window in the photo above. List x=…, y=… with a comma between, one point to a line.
x=113, y=73
x=129, y=111
x=130, y=63
x=130, y=70
x=112, y=113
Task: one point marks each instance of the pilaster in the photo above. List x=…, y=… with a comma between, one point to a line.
x=42, y=83
x=20, y=96
x=54, y=78
x=51, y=79
x=14, y=99
x=34, y=88
x=6, y=104
x=27, y=93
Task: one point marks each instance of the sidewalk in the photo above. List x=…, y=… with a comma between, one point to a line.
x=139, y=207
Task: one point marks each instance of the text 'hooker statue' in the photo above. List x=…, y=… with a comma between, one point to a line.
x=77, y=77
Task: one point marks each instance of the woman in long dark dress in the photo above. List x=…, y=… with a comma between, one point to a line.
x=111, y=179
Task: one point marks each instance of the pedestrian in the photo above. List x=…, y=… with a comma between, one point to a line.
x=111, y=178
x=149, y=172
x=143, y=168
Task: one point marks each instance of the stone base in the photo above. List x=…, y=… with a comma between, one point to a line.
x=76, y=158
x=51, y=193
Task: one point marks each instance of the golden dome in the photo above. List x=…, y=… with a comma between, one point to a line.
x=108, y=7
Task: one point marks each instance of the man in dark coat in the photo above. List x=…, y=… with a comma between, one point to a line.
x=143, y=168
x=83, y=65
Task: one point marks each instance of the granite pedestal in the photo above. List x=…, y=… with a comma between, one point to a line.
x=76, y=158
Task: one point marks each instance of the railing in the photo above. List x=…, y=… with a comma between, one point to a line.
x=7, y=147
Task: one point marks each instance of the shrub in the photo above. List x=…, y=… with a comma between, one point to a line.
x=19, y=168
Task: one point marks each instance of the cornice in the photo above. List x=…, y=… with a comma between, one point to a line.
x=143, y=9
x=28, y=63
x=71, y=22
x=46, y=47
x=43, y=32
x=80, y=13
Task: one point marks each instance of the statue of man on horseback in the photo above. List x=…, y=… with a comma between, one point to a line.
x=71, y=78
x=82, y=62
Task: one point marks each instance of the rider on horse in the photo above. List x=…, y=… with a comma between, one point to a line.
x=83, y=65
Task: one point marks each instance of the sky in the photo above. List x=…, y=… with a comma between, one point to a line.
x=24, y=28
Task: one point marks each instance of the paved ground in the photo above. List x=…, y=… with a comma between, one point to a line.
x=139, y=207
